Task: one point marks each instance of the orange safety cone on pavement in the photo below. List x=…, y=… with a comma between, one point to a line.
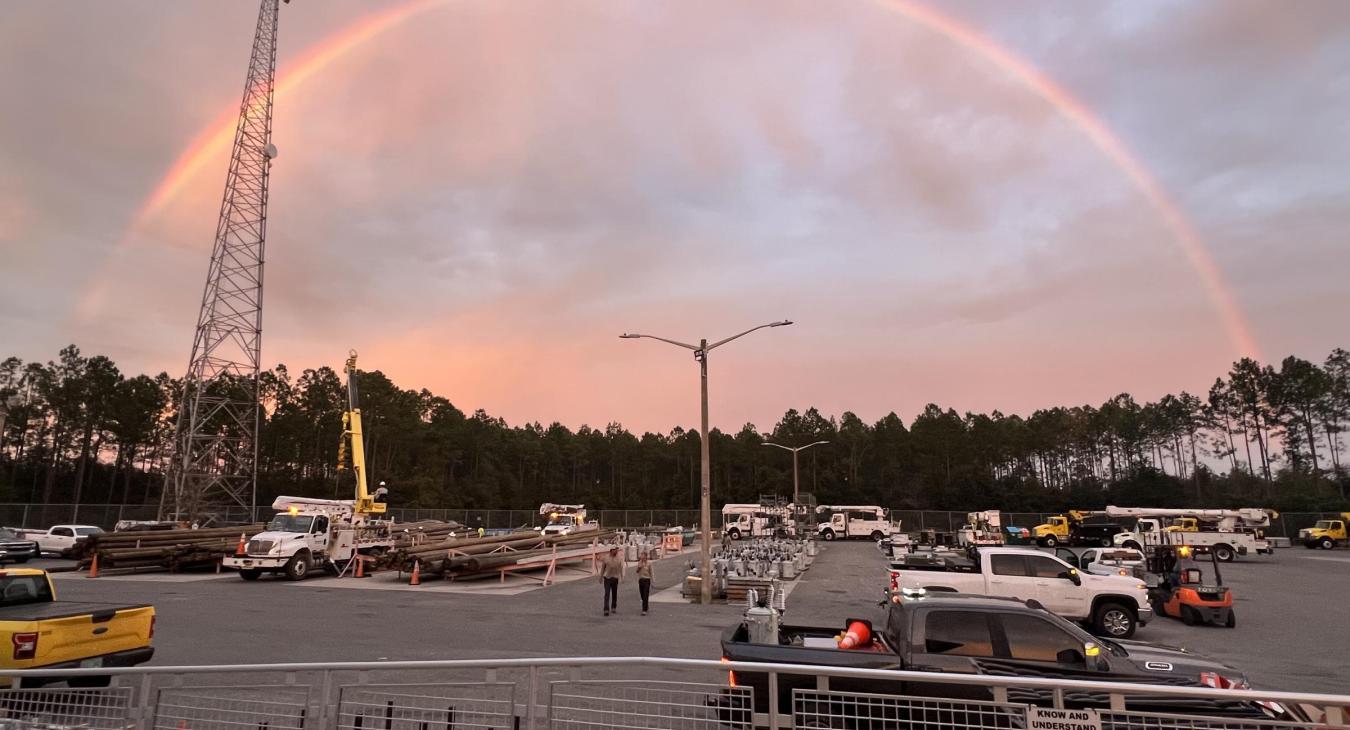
x=416, y=574
x=239, y=550
x=360, y=567
x=93, y=567
x=857, y=635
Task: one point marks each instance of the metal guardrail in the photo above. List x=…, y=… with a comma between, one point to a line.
x=623, y=692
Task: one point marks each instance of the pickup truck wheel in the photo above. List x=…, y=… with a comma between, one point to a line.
x=828, y=535
x=98, y=681
x=1224, y=553
x=298, y=566
x=877, y=536
x=1326, y=543
x=249, y=573
x=1114, y=620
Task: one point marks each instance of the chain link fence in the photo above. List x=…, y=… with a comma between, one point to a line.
x=36, y=516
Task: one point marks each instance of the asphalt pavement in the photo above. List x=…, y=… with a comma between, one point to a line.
x=1293, y=610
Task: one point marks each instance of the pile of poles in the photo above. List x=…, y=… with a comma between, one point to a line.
x=154, y=550
x=461, y=558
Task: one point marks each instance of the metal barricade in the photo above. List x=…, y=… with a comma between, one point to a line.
x=421, y=707
x=823, y=709
x=649, y=704
x=231, y=708
x=95, y=709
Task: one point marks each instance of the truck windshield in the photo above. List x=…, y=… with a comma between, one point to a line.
x=1323, y=525
x=17, y=590
x=290, y=523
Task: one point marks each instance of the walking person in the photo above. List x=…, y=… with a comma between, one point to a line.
x=611, y=572
x=644, y=574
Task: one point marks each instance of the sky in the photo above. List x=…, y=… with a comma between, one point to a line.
x=983, y=205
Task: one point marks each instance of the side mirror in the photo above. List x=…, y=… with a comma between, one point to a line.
x=1070, y=656
x=1073, y=577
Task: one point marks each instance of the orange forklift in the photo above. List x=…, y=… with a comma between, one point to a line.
x=1182, y=592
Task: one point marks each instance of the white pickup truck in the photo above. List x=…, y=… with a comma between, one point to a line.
x=59, y=538
x=1109, y=605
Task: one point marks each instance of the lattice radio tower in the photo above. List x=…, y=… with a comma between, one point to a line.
x=215, y=445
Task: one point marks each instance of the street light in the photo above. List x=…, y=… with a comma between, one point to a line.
x=705, y=506
x=794, y=463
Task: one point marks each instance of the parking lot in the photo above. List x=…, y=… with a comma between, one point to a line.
x=1291, y=608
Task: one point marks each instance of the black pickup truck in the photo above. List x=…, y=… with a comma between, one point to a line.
x=949, y=633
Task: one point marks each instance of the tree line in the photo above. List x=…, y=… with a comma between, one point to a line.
x=80, y=430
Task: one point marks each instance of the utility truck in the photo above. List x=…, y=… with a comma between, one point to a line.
x=1228, y=533
x=1326, y=534
x=981, y=528
x=855, y=521
x=1074, y=528
x=757, y=520
x=309, y=533
x=566, y=519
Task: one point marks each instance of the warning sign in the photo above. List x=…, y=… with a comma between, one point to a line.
x=1042, y=718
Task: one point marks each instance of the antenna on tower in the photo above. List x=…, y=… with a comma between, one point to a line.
x=215, y=453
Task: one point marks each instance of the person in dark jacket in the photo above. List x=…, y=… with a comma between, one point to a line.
x=644, y=576
x=611, y=572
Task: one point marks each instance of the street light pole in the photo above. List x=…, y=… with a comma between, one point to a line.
x=795, y=497
x=705, y=503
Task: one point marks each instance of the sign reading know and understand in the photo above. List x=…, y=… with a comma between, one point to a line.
x=1044, y=718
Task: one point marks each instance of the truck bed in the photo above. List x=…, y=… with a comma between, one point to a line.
x=808, y=645
x=65, y=609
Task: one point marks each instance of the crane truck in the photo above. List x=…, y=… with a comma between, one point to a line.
x=311, y=533
x=1073, y=528
x=1326, y=534
x=1227, y=532
x=981, y=528
x=566, y=519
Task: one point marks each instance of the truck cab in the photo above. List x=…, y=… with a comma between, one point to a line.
x=1326, y=534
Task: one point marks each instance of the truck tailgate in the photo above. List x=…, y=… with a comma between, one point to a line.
x=72, y=631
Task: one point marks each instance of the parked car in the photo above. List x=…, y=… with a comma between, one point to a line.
x=14, y=548
x=957, y=634
x=1111, y=605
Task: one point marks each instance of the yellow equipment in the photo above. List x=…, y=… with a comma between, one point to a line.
x=351, y=429
x=1184, y=524
x=1326, y=534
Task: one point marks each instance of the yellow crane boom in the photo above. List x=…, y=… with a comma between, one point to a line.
x=351, y=430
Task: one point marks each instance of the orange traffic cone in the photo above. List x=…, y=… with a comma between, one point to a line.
x=857, y=635
x=417, y=574
x=93, y=567
x=360, y=567
x=239, y=550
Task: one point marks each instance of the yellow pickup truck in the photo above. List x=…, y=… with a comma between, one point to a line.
x=39, y=632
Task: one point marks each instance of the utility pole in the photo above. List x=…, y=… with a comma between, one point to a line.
x=794, y=451
x=215, y=452
x=705, y=504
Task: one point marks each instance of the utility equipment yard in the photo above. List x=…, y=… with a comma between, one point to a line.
x=1291, y=608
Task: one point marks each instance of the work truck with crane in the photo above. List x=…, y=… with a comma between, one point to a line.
x=1075, y=527
x=1227, y=532
x=307, y=534
x=868, y=521
x=566, y=519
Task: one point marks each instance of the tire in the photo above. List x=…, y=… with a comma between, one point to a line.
x=1114, y=620
x=249, y=573
x=1187, y=616
x=1326, y=543
x=1232, y=619
x=1104, y=542
x=734, y=534
x=102, y=680
x=1049, y=541
x=1224, y=553
x=297, y=568
x=828, y=535
x=877, y=536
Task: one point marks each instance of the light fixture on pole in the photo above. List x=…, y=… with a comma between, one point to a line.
x=795, y=497
x=705, y=504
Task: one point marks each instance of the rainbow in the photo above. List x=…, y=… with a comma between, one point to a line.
x=219, y=135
